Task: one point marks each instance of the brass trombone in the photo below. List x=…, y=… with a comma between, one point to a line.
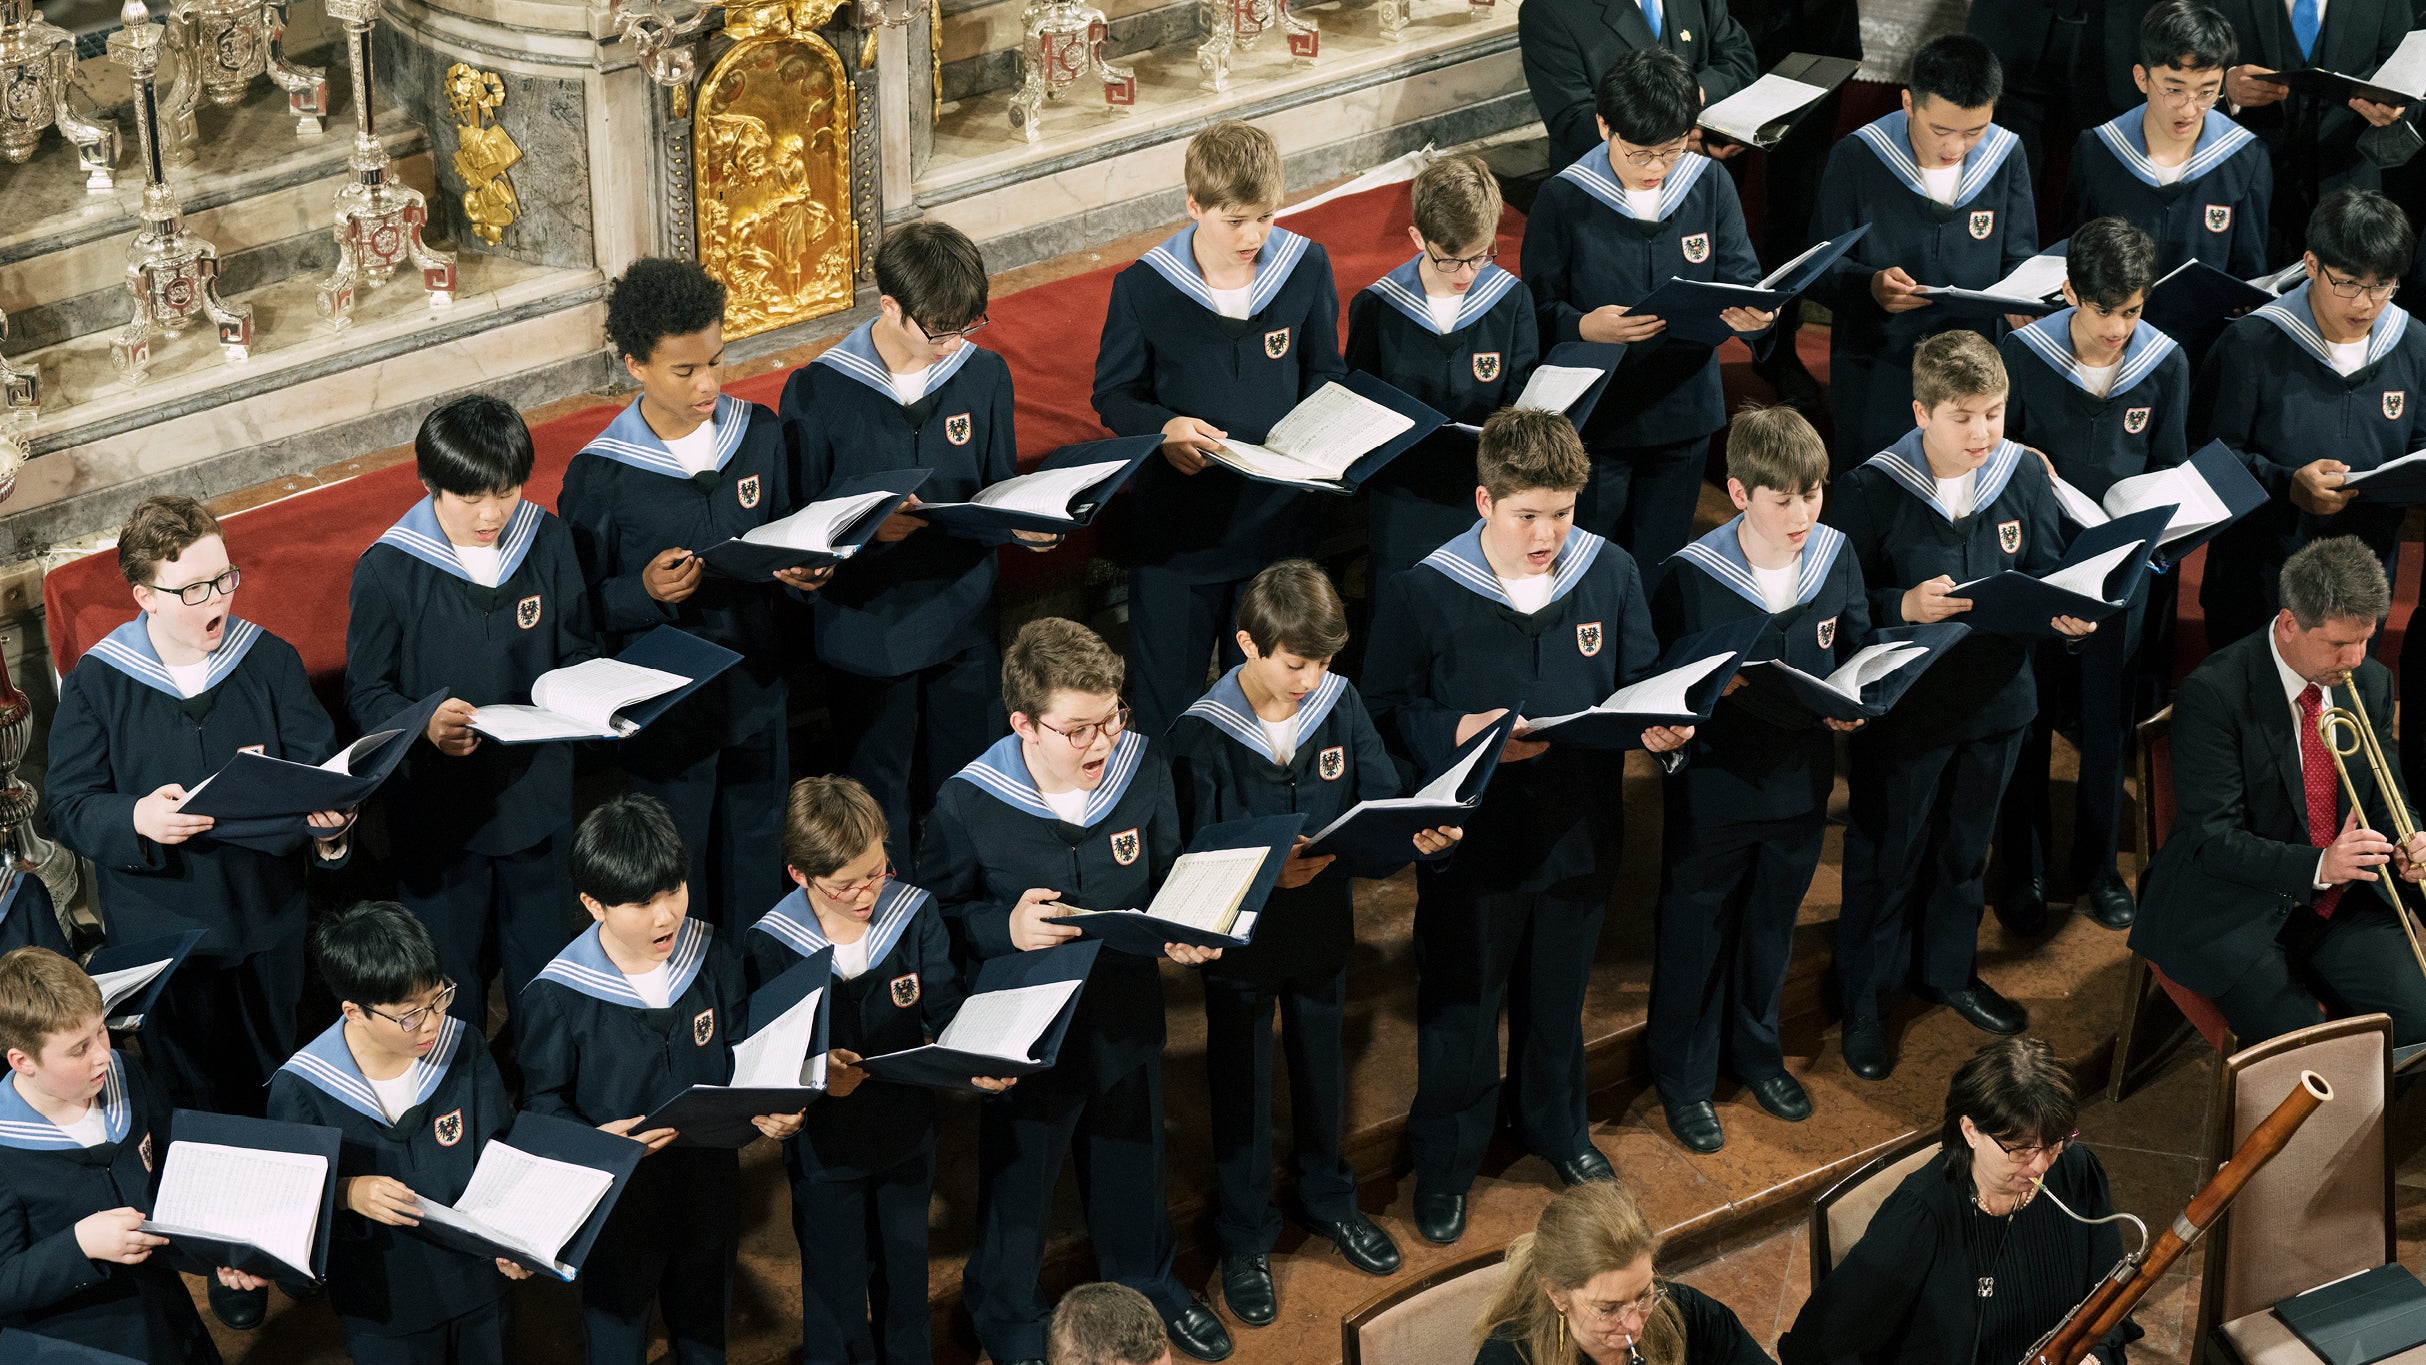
x=2347, y=732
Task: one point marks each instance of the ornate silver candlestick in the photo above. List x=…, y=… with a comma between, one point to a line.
x=1235, y=25
x=37, y=70
x=53, y=864
x=20, y=395
x=222, y=47
x=172, y=273
x=1063, y=43
x=378, y=224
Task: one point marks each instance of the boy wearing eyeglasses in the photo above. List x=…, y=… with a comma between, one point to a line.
x=863, y=1165
x=1604, y=233
x=475, y=590
x=1454, y=331
x=415, y=1097
x=2321, y=382
x=1072, y=808
x=907, y=636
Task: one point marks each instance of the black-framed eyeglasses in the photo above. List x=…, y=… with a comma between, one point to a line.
x=1082, y=737
x=2351, y=289
x=2050, y=1150
x=1450, y=265
x=411, y=1020
x=962, y=334
x=195, y=594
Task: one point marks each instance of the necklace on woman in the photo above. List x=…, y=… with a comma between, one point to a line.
x=1987, y=1283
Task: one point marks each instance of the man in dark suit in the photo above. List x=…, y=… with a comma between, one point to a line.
x=2258, y=900
x=1569, y=44
x=2067, y=67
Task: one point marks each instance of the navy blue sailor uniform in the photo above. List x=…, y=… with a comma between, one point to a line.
x=1650, y=434
x=49, y=1182
x=1515, y=915
x=2271, y=391
x=481, y=839
x=720, y=760
x=28, y=917
x=993, y=837
x=226, y=1019
x=864, y=1163
x=1971, y=243
x=1223, y=769
x=913, y=678
x=1196, y=540
x=2139, y=425
x=1466, y=372
x=594, y=1051
x=1745, y=818
x=2214, y=210
x=404, y=1300
x=1927, y=777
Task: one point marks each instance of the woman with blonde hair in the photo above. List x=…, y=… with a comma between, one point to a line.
x=1580, y=1290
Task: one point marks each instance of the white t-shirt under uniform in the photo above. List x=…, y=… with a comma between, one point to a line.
x=1070, y=806
x=396, y=1093
x=192, y=679
x=696, y=453
x=653, y=986
x=1232, y=303
x=1942, y=181
x=1444, y=309
x=481, y=562
x=1530, y=593
x=1778, y=585
x=851, y=959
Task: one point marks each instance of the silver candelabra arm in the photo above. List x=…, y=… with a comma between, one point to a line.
x=38, y=91
x=663, y=35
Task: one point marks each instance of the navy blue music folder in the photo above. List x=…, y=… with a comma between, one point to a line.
x=757, y=562
x=2019, y=606
x=1623, y=729
x=1691, y=308
x=1128, y=451
x=260, y=803
x=719, y=1115
x=1776, y=678
x=557, y=1139
x=942, y=1068
x=1376, y=838
x=127, y=1013
x=197, y=1252
x=1142, y=932
x=1371, y=462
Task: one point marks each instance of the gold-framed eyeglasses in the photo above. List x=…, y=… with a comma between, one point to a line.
x=1642, y=1305
x=855, y=890
x=2184, y=97
x=2351, y=289
x=195, y=594
x=1450, y=265
x=412, y=1020
x=1083, y=736
x=1647, y=157
x=2050, y=1150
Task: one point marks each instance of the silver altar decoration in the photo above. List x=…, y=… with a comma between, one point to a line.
x=222, y=47
x=32, y=853
x=1062, y=42
x=379, y=224
x=20, y=395
x=37, y=74
x=1233, y=26
x=172, y=273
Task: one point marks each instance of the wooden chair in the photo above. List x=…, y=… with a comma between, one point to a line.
x=2321, y=1210
x=1844, y=1210
x=1427, y=1321
x=2137, y=1054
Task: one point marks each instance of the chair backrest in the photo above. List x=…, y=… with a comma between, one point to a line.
x=2322, y=1208
x=1429, y=1321
x=1843, y=1212
x=2155, y=742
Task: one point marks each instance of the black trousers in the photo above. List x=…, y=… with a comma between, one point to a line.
x=2050, y=98
x=1113, y=1132
x=863, y=1266
x=1916, y=854
x=668, y=1243
x=904, y=737
x=2357, y=962
x=1643, y=497
x=1238, y=1079
x=221, y=1028
x=1723, y=931
x=729, y=804
x=1474, y=951
x=474, y=1338
x=509, y=914
x=2098, y=684
x=1174, y=627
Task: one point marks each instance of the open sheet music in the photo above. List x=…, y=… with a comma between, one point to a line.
x=1550, y=388
x=526, y=1203
x=1746, y=113
x=117, y=986
x=2088, y=578
x=1006, y=1024
x=2196, y=505
x=1868, y=665
x=818, y=525
x=1440, y=791
x=1203, y=891
x=1319, y=438
x=782, y=1053
x=1661, y=694
x=2025, y=290
x=1047, y=492
x=579, y=702
x=269, y=1200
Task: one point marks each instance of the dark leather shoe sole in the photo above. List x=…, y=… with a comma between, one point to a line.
x=1784, y=1098
x=1248, y=1292
x=1440, y=1219
x=1696, y=1126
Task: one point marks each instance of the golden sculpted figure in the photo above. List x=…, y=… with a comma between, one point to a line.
x=484, y=151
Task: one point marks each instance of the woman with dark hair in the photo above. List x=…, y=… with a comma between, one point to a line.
x=1970, y=1261
x=1580, y=1290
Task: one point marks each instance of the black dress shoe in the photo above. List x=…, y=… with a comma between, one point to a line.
x=239, y=1310
x=2022, y=909
x=1865, y=1045
x=1440, y=1218
x=2109, y=903
x=1246, y=1286
x=1983, y=1007
x=1584, y=1167
x=1199, y=1333
x=1783, y=1097
x=1696, y=1126
x=1361, y=1241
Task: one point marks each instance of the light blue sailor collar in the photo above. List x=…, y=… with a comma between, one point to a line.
x=1720, y=554
x=1905, y=463
x=1403, y=289
x=855, y=355
x=327, y=1065
x=628, y=439
x=585, y=967
x=792, y=923
x=418, y=534
x=1463, y=562
x=23, y=1127
x=1001, y=773
x=2050, y=339
x=129, y=650
x=2292, y=314
x=1226, y=707
x=1593, y=174
x=1891, y=139
x=2127, y=138
x=1175, y=260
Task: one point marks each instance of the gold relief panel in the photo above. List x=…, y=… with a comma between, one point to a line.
x=771, y=143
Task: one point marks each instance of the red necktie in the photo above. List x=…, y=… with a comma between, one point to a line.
x=2318, y=782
